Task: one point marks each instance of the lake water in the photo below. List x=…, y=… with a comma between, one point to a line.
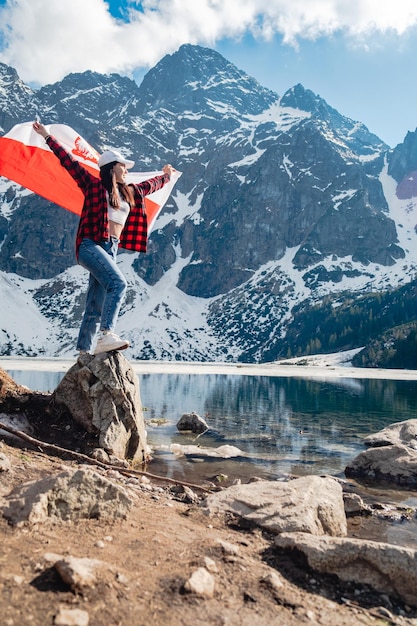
x=281, y=425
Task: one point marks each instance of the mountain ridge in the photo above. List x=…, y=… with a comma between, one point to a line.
x=282, y=200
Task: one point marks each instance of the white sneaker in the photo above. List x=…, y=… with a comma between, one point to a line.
x=110, y=341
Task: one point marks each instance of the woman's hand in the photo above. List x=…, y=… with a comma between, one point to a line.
x=168, y=169
x=40, y=129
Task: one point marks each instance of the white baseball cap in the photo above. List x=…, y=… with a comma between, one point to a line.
x=109, y=156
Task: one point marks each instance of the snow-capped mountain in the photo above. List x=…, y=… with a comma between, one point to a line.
x=282, y=201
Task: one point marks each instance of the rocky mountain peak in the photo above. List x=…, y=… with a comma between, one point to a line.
x=82, y=82
x=194, y=75
x=85, y=97
x=403, y=158
x=8, y=75
x=15, y=98
x=298, y=97
x=353, y=134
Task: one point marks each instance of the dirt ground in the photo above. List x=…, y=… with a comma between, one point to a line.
x=150, y=556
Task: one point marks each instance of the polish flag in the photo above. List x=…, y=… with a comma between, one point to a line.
x=26, y=159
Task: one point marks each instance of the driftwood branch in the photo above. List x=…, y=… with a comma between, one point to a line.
x=50, y=447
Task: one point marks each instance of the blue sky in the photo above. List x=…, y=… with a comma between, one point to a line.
x=359, y=55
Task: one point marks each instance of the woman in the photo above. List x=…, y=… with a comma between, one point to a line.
x=113, y=215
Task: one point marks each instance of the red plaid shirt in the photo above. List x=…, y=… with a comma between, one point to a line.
x=94, y=221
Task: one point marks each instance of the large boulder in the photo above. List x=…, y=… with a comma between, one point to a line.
x=393, y=464
x=68, y=496
x=387, y=568
x=310, y=504
x=404, y=433
x=102, y=394
x=192, y=422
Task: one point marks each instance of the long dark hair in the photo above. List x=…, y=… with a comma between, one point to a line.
x=108, y=179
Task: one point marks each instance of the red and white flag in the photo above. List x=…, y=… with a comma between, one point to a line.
x=26, y=159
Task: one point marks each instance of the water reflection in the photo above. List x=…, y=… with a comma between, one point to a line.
x=282, y=425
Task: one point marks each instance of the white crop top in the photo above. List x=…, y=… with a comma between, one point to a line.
x=118, y=215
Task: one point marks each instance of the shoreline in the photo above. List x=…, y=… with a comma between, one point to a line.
x=317, y=367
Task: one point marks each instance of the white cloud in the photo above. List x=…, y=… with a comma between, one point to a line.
x=47, y=39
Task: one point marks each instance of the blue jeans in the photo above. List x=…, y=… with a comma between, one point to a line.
x=106, y=289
